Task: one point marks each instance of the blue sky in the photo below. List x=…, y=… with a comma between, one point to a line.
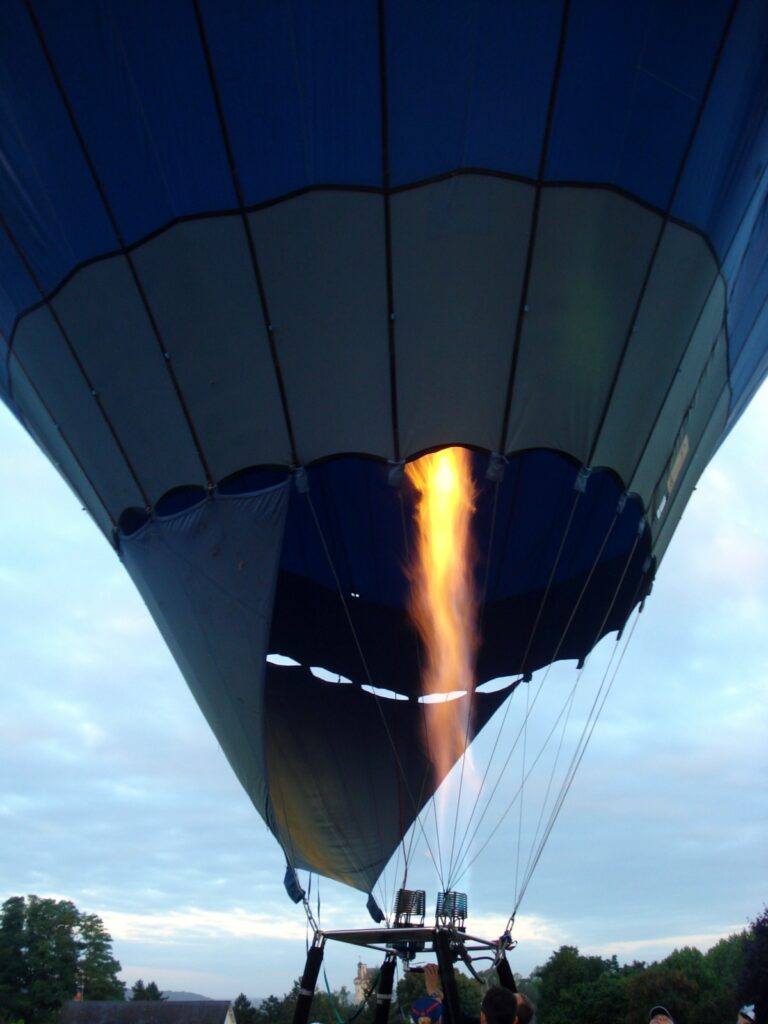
x=114, y=794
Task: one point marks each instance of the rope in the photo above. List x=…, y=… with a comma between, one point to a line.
x=589, y=724
x=465, y=844
x=575, y=766
x=363, y=660
x=569, y=699
x=522, y=782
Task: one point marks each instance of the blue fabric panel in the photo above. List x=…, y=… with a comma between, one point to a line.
x=468, y=84
x=529, y=533
x=361, y=518
x=747, y=334
x=632, y=80
x=731, y=146
x=751, y=370
x=135, y=73
x=46, y=191
x=207, y=576
x=300, y=86
x=749, y=287
x=367, y=532
x=17, y=290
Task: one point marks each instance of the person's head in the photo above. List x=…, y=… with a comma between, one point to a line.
x=660, y=1015
x=746, y=1015
x=525, y=1009
x=499, y=1006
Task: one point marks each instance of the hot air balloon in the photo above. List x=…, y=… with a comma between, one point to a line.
x=256, y=258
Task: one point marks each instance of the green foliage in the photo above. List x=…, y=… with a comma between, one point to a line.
x=572, y=988
x=409, y=988
x=530, y=987
x=51, y=955
x=726, y=960
x=13, y=967
x=48, y=952
x=149, y=993
x=575, y=989
x=244, y=1010
x=753, y=981
x=663, y=986
x=97, y=968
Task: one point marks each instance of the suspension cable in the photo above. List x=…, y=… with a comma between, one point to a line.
x=358, y=645
x=461, y=853
x=575, y=765
x=466, y=842
x=569, y=699
x=592, y=717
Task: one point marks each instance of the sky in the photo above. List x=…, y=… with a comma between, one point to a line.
x=115, y=795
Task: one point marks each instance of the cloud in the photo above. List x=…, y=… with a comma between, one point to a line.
x=189, y=924
x=661, y=946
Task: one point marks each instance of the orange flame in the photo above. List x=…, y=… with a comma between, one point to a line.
x=443, y=603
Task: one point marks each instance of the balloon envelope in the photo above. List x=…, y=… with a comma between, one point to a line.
x=255, y=256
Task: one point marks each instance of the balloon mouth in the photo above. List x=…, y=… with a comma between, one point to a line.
x=317, y=576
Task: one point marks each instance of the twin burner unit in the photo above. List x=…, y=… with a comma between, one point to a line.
x=407, y=937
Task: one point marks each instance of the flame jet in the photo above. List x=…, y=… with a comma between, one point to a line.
x=443, y=602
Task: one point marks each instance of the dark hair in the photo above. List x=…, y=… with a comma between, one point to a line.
x=525, y=1009
x=499, y=1005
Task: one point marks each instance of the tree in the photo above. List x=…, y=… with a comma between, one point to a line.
x=13, y=968
x=662, y=986
x=49, y=951
x=244, y=1010
x=726, y=961
x=51, y=957
x=753, y=983
x=148, y=993
x=97, y=968
x=280, y=1011
x=561, y=981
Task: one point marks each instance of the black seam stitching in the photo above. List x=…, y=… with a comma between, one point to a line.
x=662, y=230
x=243, y=212
x=523, y=301
x=124, y=250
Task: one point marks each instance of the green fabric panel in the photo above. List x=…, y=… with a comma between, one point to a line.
x=703, y=430
x=592, y=250
x=459, y=250
x=680, y=282
x=54, y=444
x=42, y=352
x=103, y=315
x=322, y=262
x=201, y=285
x=683, y=393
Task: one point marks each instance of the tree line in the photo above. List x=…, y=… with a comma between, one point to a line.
x=51, y=952
x=571, y=988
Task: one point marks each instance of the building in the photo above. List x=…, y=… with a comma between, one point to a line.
x=363, y=980
x=95, y=1011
